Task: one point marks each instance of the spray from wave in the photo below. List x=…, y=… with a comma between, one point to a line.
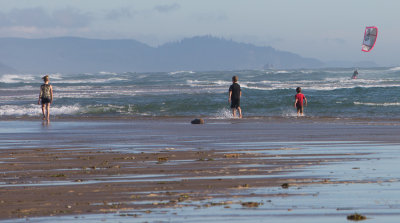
x=224, y=113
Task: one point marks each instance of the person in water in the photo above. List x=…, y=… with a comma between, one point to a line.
x=298, y=103
x=46, y=97
x=355, y=74
x=234, y=97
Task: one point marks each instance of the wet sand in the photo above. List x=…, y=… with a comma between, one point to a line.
x=111, y=166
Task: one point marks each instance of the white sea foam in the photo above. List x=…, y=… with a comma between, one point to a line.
x=221, y=83
x=55, y=76
x=66, y=110
x=306, y=71
x=17, y=78
x=35, y=110
x=289, y=113
x=378, y=104
x=28, y=78
x=142, y=76
x=277, y=72
x=91, y=80
x=394, y=69
x=224, y=113
x=197, y=83
x=107, y=73
x=181, y=71
x=259, y=88
x=282, y=72
x=323, y=85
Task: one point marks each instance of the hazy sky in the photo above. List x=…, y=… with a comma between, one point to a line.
x=322, y=29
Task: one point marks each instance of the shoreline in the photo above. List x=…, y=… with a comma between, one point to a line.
x=362, y=120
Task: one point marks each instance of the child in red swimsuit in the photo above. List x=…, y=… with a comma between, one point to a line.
x=298, y=103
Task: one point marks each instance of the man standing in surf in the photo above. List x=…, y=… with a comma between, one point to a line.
x=298, y=103
x=46, y=97
x=234, y=96
x=355, y=74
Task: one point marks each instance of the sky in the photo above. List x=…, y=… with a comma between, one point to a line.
x=322, y=29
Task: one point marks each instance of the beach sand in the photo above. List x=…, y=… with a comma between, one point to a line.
x=131, y=166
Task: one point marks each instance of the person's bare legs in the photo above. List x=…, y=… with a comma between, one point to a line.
x=233, y=112
x=43, y=107
x=299, y=111
x=240, y=112
x=48, y=111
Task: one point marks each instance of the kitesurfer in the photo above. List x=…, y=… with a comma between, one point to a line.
x=355, y=74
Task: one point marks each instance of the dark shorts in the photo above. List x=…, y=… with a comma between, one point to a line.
x=46, y=101
x=235, y=103
x=299, y=107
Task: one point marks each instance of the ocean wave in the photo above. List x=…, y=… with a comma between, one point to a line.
x=244, y=86
x=89, y=80
x=66, y=110
x=394, y=69
x=204, y=93
x=377, y=104
x=328, y=83
x=107, y=73
x=27, y=78
x=197, y=83
x=56, y=76
x=18, y=78
x=21, y=88
x=281, y=72
x=314, y=87
x=35, y=110
x=181, y=72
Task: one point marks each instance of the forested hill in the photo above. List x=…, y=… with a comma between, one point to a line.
x=74, y=55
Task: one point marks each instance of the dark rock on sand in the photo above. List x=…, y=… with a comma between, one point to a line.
x=198, y=121
x=356, y=217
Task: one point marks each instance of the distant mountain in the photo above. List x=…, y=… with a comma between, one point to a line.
x=72, y=55
x=210, y=53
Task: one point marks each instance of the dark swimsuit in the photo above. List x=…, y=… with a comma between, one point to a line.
x=235, y=97
x=45, y=95
x=45, y=100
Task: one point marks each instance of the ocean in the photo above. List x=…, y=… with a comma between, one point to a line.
x=330, y=93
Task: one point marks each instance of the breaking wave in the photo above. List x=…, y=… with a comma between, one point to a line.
x=330, y=92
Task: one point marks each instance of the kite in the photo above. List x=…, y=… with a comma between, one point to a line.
x=370, y=35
